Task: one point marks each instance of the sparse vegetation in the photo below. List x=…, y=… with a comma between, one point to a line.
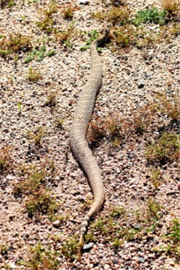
x=34, y=75
x=68, y=11
x=34, y=179
x=39, y=54
x=59, y=123
x=155, y=177
x=8, y=3
x=51, y=99
x=172, y=7
x=14, y=43
x=115, y=15
x=175, y=231
x=171, y=241
x=33, y=187
x=65, y=36
x=165, y=149
x=5, y=159
x=47, y=21
x=69, y=248
x=150, y=15
x=112, y=229
x=153, y=208
x=41, y=257
x=40, y=202
x=170, y=107
x=109, y=127
x=4, y=249
x=93, y=36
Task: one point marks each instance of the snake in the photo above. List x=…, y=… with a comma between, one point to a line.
x=78, y=131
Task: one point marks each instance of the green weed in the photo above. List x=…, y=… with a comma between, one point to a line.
x=93, y=36
x=165, y=149
x=34, y=178
x=41, y=202
x=8, y=3
x=51, y=99
x=4, y=249
x=41, y=257
x=69, y=248
x=153, y=208
x=39, y=54
x=152, y=15
x=34, y=75
x=109, y=127
x=175, y=231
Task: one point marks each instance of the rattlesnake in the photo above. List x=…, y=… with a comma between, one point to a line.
x=79, y=145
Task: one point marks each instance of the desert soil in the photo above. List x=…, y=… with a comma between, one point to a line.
x=133, y=79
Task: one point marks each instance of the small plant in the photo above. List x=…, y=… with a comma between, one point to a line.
x=170, y=108
x=51, y=53
x=37, y=135
x=34, y=178
x=155, y=177
x=69, y=249
x=51, y=8
x=172, y=241
x=93, y=36
x=39, y=54
x=165, y=149
x=152, y=15
x=5, y=159
x=4, y=250
x=115, y=15
x=59, y=123
x=9, y=3
x=65, y=36
x=108, y=127
x=124, y=36
x=172, y=7
x=153, y=208
x=34, y=75
x=117, y=212
x=41, y=257
x=175, y=231
x=40, y=202
x=68, y=11
x=14, y=43
x=47, y=22
x=51, y=99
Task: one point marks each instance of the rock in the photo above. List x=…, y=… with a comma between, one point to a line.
x=83, y=2
x=57, y=223
x=106, y=267
x=140, y=85
x=88, y=246
x=12, y=265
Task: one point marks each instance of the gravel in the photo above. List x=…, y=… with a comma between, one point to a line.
x=131, y=78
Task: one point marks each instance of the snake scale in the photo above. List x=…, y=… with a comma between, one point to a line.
x=78, y=129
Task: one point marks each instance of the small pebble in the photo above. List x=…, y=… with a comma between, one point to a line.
x=88, y=246
x=83, y=2
x=57, y=223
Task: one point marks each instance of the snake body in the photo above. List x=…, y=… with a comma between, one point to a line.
x=78, y=142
